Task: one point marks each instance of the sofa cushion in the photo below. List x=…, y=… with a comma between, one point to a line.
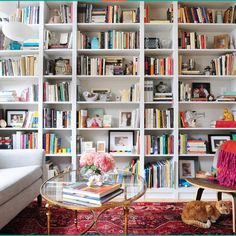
x=15, y=180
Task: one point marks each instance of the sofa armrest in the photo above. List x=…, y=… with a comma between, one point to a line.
x=20, y=158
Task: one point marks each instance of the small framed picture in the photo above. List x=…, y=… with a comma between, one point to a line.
x=186, y=169
x=120, y=141
x=221, y=41
x=200, y=90
x=127, y=16
x=215, y=141
x=125, y=119
x=101, y=146
x=15, y=118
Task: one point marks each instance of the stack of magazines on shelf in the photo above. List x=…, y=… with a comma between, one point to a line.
x=81, y=194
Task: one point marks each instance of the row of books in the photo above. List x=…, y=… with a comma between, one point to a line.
x=25, y=65
x=27, y=95
x=191, y=146
x=184, y=91
x=225, y=64
x=66, y=12
x=52, y=144
x=87, y=13
x=156, y=118
x=28, y=15
x=107, y=66
x=59, y=92
x=148, y=91
x=192, y=40
x=160, y=174
x=159, y=66
x=134, y=166
x=22, y=140
x=31, y=120
x=81, y=194
x=109, y=40
x=163, y=144
x=56, y=119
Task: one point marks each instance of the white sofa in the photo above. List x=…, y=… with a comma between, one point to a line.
x=21, y=175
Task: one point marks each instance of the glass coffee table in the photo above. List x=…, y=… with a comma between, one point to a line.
x=134, y=187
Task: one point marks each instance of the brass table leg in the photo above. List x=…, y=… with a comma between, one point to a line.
x=126, y=219
x=76, y=219
x=48, y=217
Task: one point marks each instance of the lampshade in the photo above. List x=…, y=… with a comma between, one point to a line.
x=7, y=8
x=17, y=31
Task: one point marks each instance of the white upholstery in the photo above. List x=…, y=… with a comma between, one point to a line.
x=21, y=175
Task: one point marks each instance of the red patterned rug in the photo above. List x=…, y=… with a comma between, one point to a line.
x=144, y=218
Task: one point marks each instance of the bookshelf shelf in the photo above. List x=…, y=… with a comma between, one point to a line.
x=197, y=155
x=59, y=129
x=58, y=52
x=160, y=155
x=59, y=27
x=158, y=129
x=158, y=52
x=207, y=103
x=18, y=129
x=9, y=78
x=19, y=103
x=52, y=77
x=59, y=103
x=158, y=77
x=156, y=103
x=9, y=53
x=96, y=27
x=158, y=26
x=108, y=103
x=207, y=27
x=205, y=52
x=105, y=129
x=206, y=129
x=120, y=155
x=108, y=77
x=213, y=77
x=59, y=155
x=116, y=52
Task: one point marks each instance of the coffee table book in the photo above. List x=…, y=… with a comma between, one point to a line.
x=80, y=199
x=96, y=192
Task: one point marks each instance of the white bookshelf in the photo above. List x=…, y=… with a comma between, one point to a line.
x=118, y=82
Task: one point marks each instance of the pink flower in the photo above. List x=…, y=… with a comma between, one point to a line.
x=88, y=159
x=104, y=162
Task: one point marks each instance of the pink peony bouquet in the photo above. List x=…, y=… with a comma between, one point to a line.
x=97, y=163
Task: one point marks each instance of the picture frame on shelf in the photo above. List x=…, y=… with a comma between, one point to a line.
x=221, y=41
x=120, y=141
x=125, y=119
x=15, y=117
x=101, y=146
x=187, y=169
x=127, y=16
x=201, y=91
x=215, y=140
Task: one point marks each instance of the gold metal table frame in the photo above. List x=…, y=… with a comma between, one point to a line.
x=124, y=202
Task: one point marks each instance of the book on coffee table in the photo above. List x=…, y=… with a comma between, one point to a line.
x=95, y=191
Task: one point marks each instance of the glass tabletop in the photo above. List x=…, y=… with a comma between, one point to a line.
x=133, y=186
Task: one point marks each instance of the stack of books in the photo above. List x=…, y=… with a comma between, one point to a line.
x=184, y=91
x=81, y=194
x=163, y=97
x=22, y=140
x=196, y=146
x=8, y=96
x=28, y=15
x=30, y=44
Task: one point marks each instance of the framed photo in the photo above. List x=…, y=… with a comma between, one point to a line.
x=216, y=140
x=15, y=118
x=221, y=41
x=120, y=141
x=187, y=169
x=101, y=146
x=125, y=119
x=201, y=91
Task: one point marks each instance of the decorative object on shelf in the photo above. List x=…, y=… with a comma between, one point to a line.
x=166, y=43
x=186, y=169
x=105, y=96
x=127, y=16
x=207, y=70
x=125, y=95
x=213, y=69
x=14, y=45
x=95, y=165
x=90, y=96
x=94, y=43
x=107, y=121
x=3, y=123
x=121, y=141
x=151, y=43
x=231, y=44
x=200, y=91
x=228, y=116
x=118, y=98
x=192, y=64
x=94, y=122
x=101, y=146
x=15, y=118
x=221, y=41
x=56, y=18
x=219, y=17
x=62, y=66
x=211, y=98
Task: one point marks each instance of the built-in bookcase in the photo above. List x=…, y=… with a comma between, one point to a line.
x=150, y=20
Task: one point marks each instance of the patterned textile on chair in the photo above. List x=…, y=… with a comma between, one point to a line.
x=226, y=165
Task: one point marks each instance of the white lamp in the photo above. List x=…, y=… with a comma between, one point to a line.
x=14, y=30
x=17, y=31
x=7, y=8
